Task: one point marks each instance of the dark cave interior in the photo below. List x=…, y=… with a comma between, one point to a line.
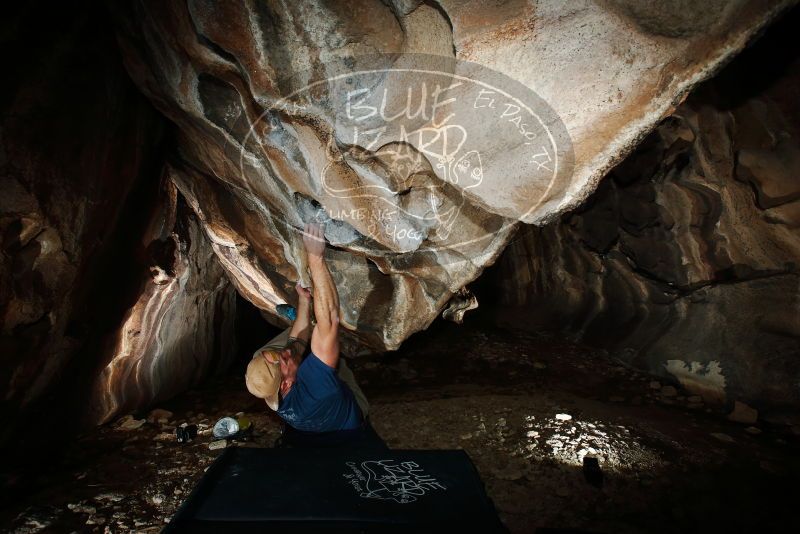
x=655, y=326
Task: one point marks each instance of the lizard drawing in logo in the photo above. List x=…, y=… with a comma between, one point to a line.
x=402, y=482
x=419, y=181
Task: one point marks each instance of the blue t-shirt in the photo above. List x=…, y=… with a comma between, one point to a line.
x=319, y=401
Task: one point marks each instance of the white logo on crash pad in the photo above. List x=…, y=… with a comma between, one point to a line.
x=402, y=482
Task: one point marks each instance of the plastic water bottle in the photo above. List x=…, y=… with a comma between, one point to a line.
x=225, y=427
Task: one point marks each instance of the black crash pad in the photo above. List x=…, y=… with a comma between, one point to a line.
x=338, y=490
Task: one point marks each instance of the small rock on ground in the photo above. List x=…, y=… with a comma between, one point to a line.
x=129, y=423
x=723, y=437
x=669, y=391
x=742, y=413
x=159, y=416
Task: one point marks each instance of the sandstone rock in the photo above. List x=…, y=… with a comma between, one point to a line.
x=742, y=413
x=669, y=391
x=77, y=140
x=674, y=257
x=176, y=332
x=109, y=497
x=218, y=444
x=723, y=437
x=96, y=520
x=92, y=242
x=129, y=423
x=159, y=416
x=80, y=508
x=261, y=151
x=459, y=305
x=512, y=471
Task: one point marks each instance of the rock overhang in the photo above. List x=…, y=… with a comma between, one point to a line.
x=604, y=73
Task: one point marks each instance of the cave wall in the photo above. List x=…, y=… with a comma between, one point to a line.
x=180, y=330
x=686, y=259
x=119, y=271
x=104, y=279
x=255, y=160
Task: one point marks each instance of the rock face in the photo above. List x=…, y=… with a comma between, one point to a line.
x=424, y=134
x=274, y=127
x=180, y=329
x=75, y=140
x=688, y=253
x=98, y=263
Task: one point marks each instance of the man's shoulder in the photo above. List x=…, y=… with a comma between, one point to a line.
x=312, y=362
x=315, y=375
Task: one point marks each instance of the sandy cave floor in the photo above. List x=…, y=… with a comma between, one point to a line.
x=526, y=408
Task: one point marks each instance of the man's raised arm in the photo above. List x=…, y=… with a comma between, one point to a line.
x=325, y=337
x=300, y=333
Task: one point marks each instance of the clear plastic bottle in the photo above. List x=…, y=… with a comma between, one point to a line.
x=225, y=427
